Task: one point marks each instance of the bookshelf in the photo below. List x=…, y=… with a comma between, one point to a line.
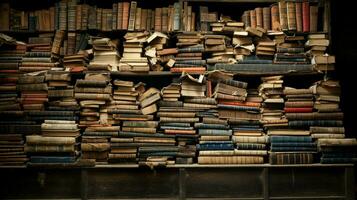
x=250, y=181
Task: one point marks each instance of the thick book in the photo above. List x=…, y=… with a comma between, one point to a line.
x=290, y=158
x=230, y=159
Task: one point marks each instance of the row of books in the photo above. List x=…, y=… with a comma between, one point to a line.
x=71, y=16
x=210, y=119
x=284, y=15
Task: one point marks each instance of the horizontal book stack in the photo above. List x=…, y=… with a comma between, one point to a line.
x=132, y=59
x=38, y=55
x=226, y=26
x=105, y=53
x=323, y=62
x=76, y=63
x=11, y=53
x=60, y=92
x=291, y=149
x=59, y=146
x=216, y=46
x=92, y=96
x=34, y=92
x=341, y=150
x=206, y=18
x=316, y=44
x=271, y=91
x=13, y=128
x=156, y=42
x=243, y=44
x=189, y=58
x=291, y=51
x=265, y=48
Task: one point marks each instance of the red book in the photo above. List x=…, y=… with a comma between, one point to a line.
x=305, y=17
x=298, y=110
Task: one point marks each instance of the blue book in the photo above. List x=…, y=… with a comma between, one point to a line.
x=211, y=126
x=293, y=144
x=337, y=160
x=279, y=139
x=52, y=159
x=242, y=108
x=308, y=123
x=222, y=146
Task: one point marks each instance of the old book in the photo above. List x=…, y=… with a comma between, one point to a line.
x=283, y=15
x=305, y=16
x=313, y=18
x=132, y=15
x=230, y=159
x=298, y=16
x=259, y=17
x=291, y=15
x=267, y=18
x=37, y=139
x=253, y=19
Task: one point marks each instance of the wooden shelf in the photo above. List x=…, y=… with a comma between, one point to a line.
x=126, y=166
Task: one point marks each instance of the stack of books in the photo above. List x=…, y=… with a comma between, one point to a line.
x=265, y=48
x=291, y=148
x=76, y=63
x=33, y=92
x=190, y=48
x=316, y=44
x=243, y=44
x=92, y=94
x=105, y=53
x=132, y=59
x=271, y=90
x=291, y=51
x=38, y=55
x=95, y=147
x=58, y=143
x=156, y=42
x=342, y=150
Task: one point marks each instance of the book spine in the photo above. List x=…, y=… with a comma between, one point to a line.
x=132, y=15
x=298, y=12
x=230, y=160
x=266, y=18
x=283, y=16
x=313, y=18
x=253, y=19
x=158, y=19
x=259, y=17
x=177, y=16
x=291, y=15
x=305, y=16
x=114, y=16
x=137, y=19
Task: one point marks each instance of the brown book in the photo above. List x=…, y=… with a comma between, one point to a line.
x=120, y=15
x=305, y=16
x=253, y=19
x=313, y=18
x=125, y=19
x=283, y=15
x=164, y=19
x=132, y=15
x=78, y=17
x=180, y=132
x=298, y=16
x=266, y=18
x=144, y=16
x=4, y=16
x=57, y=42
x=291, y=13
x=259, y=17
x=148, y=19
x=99, y=18
x=138, y=19
x=275, y=19
x=158, y=19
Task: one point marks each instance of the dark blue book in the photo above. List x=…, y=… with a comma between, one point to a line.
x=293, y=144
x=280, y=139
x=192, y=49
x=241, y=108
x=211, y=126
x=52, y=159
x=308, y=123
x=175, y=124
x=222, y=146
x=337, y=160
